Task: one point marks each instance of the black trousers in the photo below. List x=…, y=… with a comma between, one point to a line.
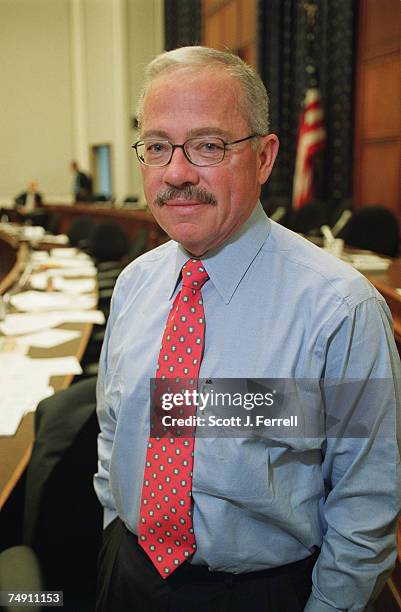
x=128, y=582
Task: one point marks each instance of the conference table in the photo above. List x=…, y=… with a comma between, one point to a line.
x=15, y=450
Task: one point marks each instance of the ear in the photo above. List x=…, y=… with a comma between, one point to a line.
x=266, y=155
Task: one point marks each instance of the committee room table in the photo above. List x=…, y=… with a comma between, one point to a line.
x=15, y=450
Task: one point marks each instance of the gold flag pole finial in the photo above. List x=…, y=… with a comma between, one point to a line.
x=311, y=12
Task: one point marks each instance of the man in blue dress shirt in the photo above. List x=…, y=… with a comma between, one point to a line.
x=280, y=523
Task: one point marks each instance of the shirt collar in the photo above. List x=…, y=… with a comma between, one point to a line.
x=228, y=264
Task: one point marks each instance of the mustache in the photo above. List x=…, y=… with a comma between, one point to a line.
x=189, y=192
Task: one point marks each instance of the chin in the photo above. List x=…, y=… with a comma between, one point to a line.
x=185, y=233
x=195, y=247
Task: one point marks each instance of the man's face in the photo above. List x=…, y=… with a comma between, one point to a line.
x=192, y=102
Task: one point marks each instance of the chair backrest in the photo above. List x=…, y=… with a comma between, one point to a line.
x=63, y=518
x=54, y=223
x=139, y=245
x=374, y=228
x=101, y=197
x=131, y=199
x=309, y=219
x=108, y=241
x=80, y=229
x=37, y=217
x=19, y=571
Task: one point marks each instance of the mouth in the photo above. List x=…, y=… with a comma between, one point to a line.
x=181, y=203
x=189, y=198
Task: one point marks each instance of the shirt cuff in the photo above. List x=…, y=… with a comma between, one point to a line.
x=316, y=605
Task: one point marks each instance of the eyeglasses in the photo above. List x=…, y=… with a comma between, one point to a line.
x=199, y=151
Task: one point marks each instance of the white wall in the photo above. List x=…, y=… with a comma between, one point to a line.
x=99, y=69
x=71, y=77
x=35, y=96
x=143, y=17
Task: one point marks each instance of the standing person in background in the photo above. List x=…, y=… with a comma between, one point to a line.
x=236, y=522
x=82, y=187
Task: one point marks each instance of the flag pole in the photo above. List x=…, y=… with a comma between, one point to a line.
x=311, y=133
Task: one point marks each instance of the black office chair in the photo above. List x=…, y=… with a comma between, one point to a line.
x=107, y=241
x=37, y=217
x=138, y=246
x=19, y=572
x=79, y=231
x=53, y=223
x=108, y=273
x=101, y=197
x=374, y=228
x=63, y=518
x=309, y=219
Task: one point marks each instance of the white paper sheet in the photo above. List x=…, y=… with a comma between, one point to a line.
x=83, y=316
x=84, y=272
x=21, y=323
x=48, y=338
x=39, y=256
x=79, y=261
x=40, y=281
x=24, y=382
x=368, y=261
x=37, y=301
x=67, y=252
x=15, y=404
x=56, y=239
x=75, y=286
x=57, y=366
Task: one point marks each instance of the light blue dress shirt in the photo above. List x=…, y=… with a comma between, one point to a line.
x=276, y=306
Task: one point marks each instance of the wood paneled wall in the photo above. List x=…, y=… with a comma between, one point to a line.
x=231, y=24
x=377, y=171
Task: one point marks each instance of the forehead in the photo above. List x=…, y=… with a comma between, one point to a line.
x=193, y=98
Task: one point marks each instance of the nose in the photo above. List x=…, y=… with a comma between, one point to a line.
x=180, y=171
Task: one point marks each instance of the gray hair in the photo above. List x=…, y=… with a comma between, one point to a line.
x=255, y=100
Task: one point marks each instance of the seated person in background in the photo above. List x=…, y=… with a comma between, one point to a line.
x=29, y=199
x=82, y=184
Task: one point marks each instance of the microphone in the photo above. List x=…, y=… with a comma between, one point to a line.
x=327, y=233
x=341, y=222
x=278, y=214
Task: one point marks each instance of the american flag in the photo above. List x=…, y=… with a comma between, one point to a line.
x=311, y=139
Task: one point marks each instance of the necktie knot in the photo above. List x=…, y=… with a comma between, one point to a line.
x=194, y=274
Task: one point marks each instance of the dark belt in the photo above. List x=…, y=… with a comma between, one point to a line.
x=188, y=572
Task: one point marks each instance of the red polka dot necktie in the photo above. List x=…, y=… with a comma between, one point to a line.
x=165, y=525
